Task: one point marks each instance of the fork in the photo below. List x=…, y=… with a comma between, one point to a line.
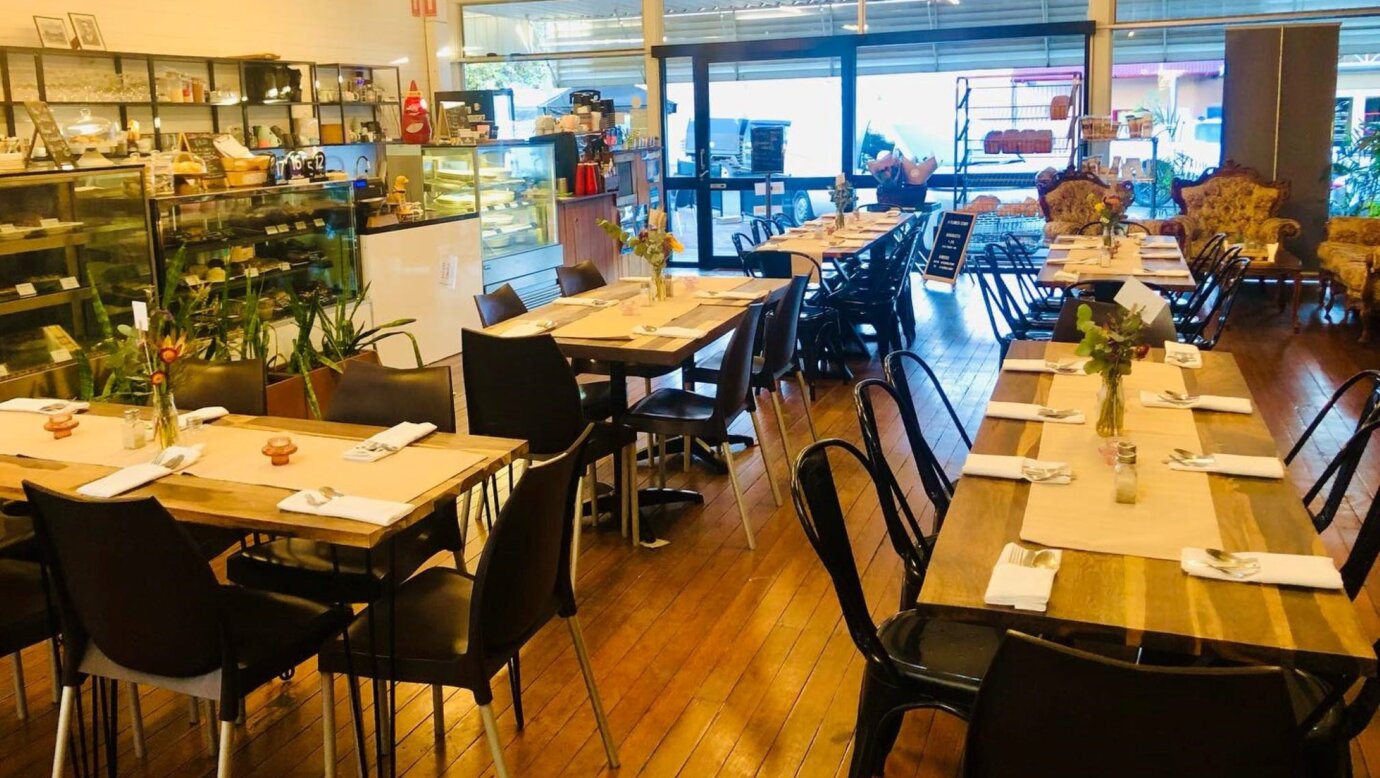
x=331, y=493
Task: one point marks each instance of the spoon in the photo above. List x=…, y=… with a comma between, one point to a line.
x=330, y=492
x=1058, y=413
x=1178, y=397
x=1230, y=560
x=1067, y=366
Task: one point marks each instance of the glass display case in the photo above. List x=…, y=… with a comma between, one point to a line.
x=448, y=180
x=517, y=197
x=262, y=243
x=74, y=252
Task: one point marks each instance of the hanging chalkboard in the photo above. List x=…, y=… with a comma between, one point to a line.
x=950, y=247
x=768, y=149
x=203, y=144
x=47, y=128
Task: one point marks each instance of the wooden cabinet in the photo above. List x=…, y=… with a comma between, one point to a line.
x=581, y=237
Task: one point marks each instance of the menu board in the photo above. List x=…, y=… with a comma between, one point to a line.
x=203, y=144
x=46, y=127
x=768, y=149
x=950, y=247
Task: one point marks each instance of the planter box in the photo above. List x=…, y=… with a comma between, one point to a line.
x=287, y=396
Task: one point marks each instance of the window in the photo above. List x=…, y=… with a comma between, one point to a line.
x=891, y=15
x=551, y=26
x=1143, y=10
x=742, y=20
x=542, y=87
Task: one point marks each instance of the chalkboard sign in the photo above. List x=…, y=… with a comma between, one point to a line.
x=768, y=149
x=46, y=127
x=203, y=144
x=950, y=247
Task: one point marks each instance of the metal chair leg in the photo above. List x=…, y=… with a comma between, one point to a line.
x=486, y=713
x=633, y=495
x=805, y=401
x=357, y=726
x=575, y=536
x=136, y=722
x=727, y=451
x=661, y=461
x=21, y=701
x=578, y=638
x=328, y=724
x=227, y=745
x=209, y=733
x=686, y=443
x=54, y=674
x=193, y=711
x=438, y=712
x=762, y=449
x=515, y=683
x=69, y=698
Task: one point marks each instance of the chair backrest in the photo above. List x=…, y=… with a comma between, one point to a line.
x=784, y=221
x=499, y=305
x=1066, y=326
x=894, y=370
x=762, y=229
x=1128, y=228
x=1209, y=327
x=1208, y=256
x=131, y=581
x=1045, y=709
x=816, y=498
x=742, y=245
x=520, y=388
x=1345, y=462
x=239, y=386
x=1366, y=547
x=735, y=369
x=903, y=527
x=778, y=350
x=384, y=396
x=578, y=278
x=523, y=577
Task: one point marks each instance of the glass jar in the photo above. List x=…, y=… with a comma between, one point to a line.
x=1124, y=475
x=132, y=430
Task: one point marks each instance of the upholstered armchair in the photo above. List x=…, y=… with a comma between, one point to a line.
x=1064, y=200
x=1234, y=200
x=1350, y=259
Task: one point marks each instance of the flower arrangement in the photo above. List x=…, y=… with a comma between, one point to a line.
x=161, y=346
x=1110, y=349
x=1111, y=212
x=654, y=244
x=841, y=193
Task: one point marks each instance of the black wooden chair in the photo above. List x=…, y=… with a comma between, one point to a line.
x=457, y=629
x=137, y=603
x=578, y=278
x=499, y=305
x=912, y=661
x=1045, y=709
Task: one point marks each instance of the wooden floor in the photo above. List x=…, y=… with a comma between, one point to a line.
x=713, y=660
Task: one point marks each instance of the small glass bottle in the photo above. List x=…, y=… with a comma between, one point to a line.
x=132, y=435
x=1124, y=476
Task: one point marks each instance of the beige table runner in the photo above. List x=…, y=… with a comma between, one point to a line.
x=1126, y=262
x=1174, y=509
x=95, y=441
x=707, y=283
x=618, y=323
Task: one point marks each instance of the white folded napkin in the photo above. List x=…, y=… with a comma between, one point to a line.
x=1024, y=588
x=1236, y=464
x=588, y=302
x=1079, y=241
x=1066, y=276
x=1317, y=572
x=128, y=478
x=209, y=413
x=685, y=333
x=528, y=329
x=1171, y=273
x=1042, y=366
x=1011, y=468
x=1027, y=412
x=389, y=441
x=711, y=295
x=1182, y=355
x=1204, y=402
x=380, y=512
x=43, y=405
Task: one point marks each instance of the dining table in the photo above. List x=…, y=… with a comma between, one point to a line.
x=1121, y=578
x=863, y=233
x=1154, y=259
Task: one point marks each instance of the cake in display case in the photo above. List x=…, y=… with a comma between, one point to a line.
x=74, y=253
x=517, y=197
x=263, y=243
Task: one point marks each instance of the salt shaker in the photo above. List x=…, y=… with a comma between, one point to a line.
x=1124, y=476
x=132, y=430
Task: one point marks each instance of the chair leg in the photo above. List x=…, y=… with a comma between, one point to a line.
x=647, y=385
x=686, y=443
x=464, y=530
x=486, y=713
x=877, y=726
x=515, y=682
x=21, y=701
x=69, y=698
x=136, y=722
x=438, y=712
x=781, y=425
x=621, y=486
x=210, y=731
x=661, y=461
x=762, y=449
x=328, y=724
x=227, y=745
x=601, y=718
x=635, y=509
x=727, y=451
x=592, y=489
x=805, y=401
x=357, y=726
x=54, y=675
x=575, y=536
x=193, y=711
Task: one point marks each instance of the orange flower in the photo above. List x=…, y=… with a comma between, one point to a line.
x=170, y=350
x=158, y=378
x=674, y=243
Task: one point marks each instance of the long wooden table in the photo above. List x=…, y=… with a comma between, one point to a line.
x=1152, y=603
x=882, y=228
x=1088, y=273
x=253, y=508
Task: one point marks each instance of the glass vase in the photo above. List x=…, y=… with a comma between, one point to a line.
x=1111, y=403
x=840, y=218
x=165, y=429
x=658, y=284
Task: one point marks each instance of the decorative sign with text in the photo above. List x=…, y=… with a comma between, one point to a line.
x=950, y=247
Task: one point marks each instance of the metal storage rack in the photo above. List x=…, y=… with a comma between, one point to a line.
x=989, y=104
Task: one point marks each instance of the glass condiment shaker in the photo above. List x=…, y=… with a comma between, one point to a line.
x=132, y=435
x=1124, y=476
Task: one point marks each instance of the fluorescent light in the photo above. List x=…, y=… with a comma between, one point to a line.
x=769, y=13
x=405, y=60
x=854, y=27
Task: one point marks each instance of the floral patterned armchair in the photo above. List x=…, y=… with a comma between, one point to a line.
x=1064, y=200
x=1234, y=200
x=1351, y=260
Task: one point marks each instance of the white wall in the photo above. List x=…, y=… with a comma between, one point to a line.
x=362, y=32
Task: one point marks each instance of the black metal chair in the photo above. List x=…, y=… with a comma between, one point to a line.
x=1045, y=709
x=499, y=305
x=743, y=245
x=912, y=662
x=1342, y=468
x=457, y=629
x=1042, y=303
x=894, y=370
x=239, y=386
x=1205, y=326
x=578, y=278
x=1207, y=281
x=138, y=604
x=820, y=327
x=785, y=221
x=677, y=412
x=873, y=297
x=1004, y=309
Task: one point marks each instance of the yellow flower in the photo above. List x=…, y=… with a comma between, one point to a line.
x=674, y=243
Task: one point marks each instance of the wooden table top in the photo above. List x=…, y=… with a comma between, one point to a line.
x=1165, y=283
x=254, y=508
x=805, y=242
x=714, y=318
x=1149, y=602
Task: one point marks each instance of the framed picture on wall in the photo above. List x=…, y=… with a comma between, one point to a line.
x=52, y=32
x=87, y=31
